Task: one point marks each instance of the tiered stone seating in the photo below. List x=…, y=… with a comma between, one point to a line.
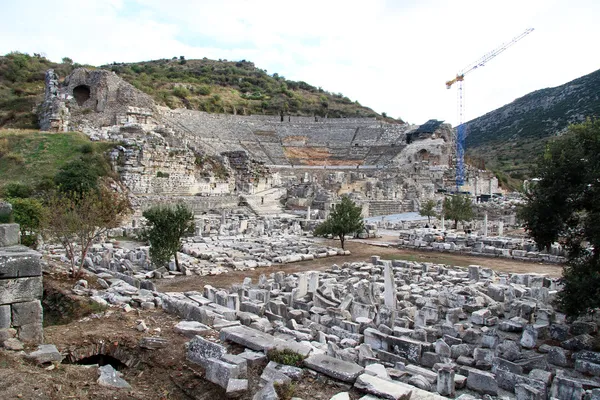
x=263, y=137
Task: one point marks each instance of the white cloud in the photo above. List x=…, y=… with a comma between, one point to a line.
x=391, y=56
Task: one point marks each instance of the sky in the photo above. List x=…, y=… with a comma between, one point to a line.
x=392, y=56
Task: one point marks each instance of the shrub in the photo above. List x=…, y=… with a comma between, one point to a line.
x=17, y=190
x=204, y=90
x=181, y=92
x=161, y=174
x=286, y=357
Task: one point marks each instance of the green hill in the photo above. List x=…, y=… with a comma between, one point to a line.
x=509, y=139
x=234, y=87
x=33, y=158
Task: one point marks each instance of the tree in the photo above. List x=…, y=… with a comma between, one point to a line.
x=458, y=208
x=345, y=218
x=77, y=176
x=564, y=206
x=78, y=219
x=428, y=210
x=166, y=226
x=29, y=214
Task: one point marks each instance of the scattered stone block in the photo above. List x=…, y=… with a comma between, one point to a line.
x=200, y=350
x=45, y=353
x=382, y=388
x=109, y=377
x=333, y=367
x=482, y=382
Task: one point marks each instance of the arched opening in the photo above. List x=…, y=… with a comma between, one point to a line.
x=423, y=155
x=81, y=94
x=101, y=360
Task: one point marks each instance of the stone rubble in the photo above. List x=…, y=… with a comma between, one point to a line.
x=444, y=329
x=478, y=245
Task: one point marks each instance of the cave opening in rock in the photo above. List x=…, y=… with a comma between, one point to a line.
x=101, y=360
x=81, y=94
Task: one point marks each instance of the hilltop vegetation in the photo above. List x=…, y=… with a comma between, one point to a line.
x=509, y=139
x=22, y=87
x=234, y=87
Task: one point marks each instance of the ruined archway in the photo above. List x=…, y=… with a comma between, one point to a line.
x=423, y=155
x=103, y=352
x=81, y=94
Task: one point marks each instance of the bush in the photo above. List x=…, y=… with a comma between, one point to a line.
x=161, y=174
x=76, y=176
x=181, y=92
x=87, y=148
x=204, y=90
x=286, y=357
x=17, y=190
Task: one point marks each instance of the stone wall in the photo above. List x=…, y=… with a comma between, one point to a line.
x=20, y=288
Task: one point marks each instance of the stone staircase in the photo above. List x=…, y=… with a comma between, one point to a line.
x=266, y=203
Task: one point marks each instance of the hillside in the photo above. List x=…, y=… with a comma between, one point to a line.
x=33, y=158
x=232, y=87
x=509, y=139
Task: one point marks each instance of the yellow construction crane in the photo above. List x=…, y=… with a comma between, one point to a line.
x=461, y=128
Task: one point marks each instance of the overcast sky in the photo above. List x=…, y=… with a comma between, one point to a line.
x=393, y=56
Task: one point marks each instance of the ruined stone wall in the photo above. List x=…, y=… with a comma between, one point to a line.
x=20, y=288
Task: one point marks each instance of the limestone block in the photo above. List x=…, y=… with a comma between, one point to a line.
x=29, y=312
x=5, y=316
x=238, y=361
x=200, y=350
x=333, y=367
x=482, y=382
x=20, y=290
x=190, y=328
x=445, y=381
x=564, y=388
x=31, y=333
x=236, y=387
x=382, y=388
x=109, y=377
x=220, y=372
x=19, y=262
x=45, y=353
x=7, y=333
x=9, y=235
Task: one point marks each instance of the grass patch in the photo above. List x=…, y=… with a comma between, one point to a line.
x=30, y=157
x=286, y=357
x=285, y=391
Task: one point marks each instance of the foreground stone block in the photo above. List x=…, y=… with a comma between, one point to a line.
x=200, y=350
x=382, y=388
x=9, y=235
x=19, y=262
x=190, y=328
x=45, y=353
x=220, y=372
x=564, y=388
x=482, y=382
x=248, y=337
x=333, y=367
x=26, y=313
x=236, y=388
x=20, y=290
x=526, y=392
x=261, y=341
x=109, y=377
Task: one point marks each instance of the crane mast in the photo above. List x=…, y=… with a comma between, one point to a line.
x=461, y=129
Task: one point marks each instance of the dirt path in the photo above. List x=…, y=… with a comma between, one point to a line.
x=360, y=252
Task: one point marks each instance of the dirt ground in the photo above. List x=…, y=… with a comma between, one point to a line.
x=165, y=373
x=155, y=374
x=361, y=251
